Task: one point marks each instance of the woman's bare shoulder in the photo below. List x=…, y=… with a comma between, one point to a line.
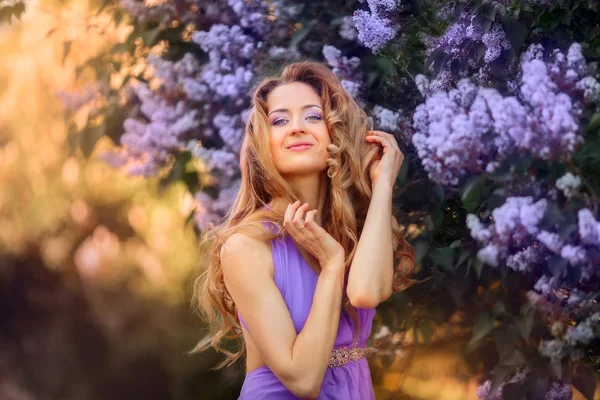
x=251, y=248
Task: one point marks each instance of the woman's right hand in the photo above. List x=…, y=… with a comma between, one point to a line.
x=312, y=237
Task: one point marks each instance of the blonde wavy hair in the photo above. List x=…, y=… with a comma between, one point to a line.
x=344, y=212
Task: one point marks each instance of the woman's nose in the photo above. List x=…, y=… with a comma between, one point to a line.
x=296, y=124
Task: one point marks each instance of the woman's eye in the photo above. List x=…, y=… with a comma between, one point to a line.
x=314, y=118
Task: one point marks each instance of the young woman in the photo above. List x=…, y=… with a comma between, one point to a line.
x=307, y=251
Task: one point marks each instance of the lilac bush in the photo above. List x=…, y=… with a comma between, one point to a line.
x=471, y=129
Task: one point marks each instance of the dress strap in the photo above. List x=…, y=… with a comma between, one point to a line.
x=346, y=355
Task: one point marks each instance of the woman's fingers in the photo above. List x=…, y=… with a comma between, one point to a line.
x=288, y=216
x=310, y=216
x=294, y=217
x=383, y=137
x=299, y=216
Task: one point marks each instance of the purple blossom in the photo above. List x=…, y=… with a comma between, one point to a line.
x=495, y=41
x=584, y=332
x=374, y=29
x=568, y=184
x=514, y=224
x=469, y=129
x=73, y=101
x=386, y=119
x=461, y=43
x=551, y=240
x=210, y=210
x=559, y=391
x=483, y=391
x=522, y=261
x=589, y=228
x=252, y=14
x=347, y=69
x=347, y=29
x=163, y=12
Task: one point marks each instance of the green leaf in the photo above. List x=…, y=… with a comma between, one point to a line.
x=478, y=265
x=386, y=65
x=516, y=31
x=513, y=390
x=444, y=257
x=89, y=137
x=437, y=194
x=505, y=340
x=120, y=48
x=500, y=374
x=471, y=192
x=180, y=172
x=484, y=324
x=463, y=256
x=514, y=360
x=437, y=216
x=584, y=381
x=594, y=123
x=524, y=323
x=150, y=37
x=421, y=249
x=300, y=34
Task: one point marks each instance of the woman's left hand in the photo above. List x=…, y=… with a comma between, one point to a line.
x=386, y=168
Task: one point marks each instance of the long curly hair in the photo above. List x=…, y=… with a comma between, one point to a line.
x=344, y=212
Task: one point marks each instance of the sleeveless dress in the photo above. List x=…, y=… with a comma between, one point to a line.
x=297, y=282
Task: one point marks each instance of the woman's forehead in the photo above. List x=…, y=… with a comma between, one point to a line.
x=295, y=95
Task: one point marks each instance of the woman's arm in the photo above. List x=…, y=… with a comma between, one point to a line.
x=372, y=268
x=298, y=361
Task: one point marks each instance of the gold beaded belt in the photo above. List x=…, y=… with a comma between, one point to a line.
x=345, y=355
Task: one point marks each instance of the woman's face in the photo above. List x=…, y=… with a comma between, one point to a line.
x=295, y=114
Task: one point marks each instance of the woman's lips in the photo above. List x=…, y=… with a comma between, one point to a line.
x=300, y=147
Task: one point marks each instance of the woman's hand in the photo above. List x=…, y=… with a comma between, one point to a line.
x=313, y=237
x=386, y=168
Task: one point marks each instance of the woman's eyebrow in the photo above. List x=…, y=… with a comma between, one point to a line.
x=303, y=107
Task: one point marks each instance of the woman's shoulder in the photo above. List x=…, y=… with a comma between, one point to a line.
x=241, y=247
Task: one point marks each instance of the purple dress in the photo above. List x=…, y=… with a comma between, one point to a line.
x=297, y=281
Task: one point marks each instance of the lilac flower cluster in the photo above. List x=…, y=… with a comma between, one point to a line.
x=461, y=46
x=557, y=391
x=515, y=237
x=347, y=69
x=209, y=210
x=386, y=119
x=570, y=342
x=568, y=184
x=347, y=29
x=73, y=101
x=377, y=26
x=162, y=12
x=229, y=71
x=515, y=222
x=166, y=120
x=469, y=129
